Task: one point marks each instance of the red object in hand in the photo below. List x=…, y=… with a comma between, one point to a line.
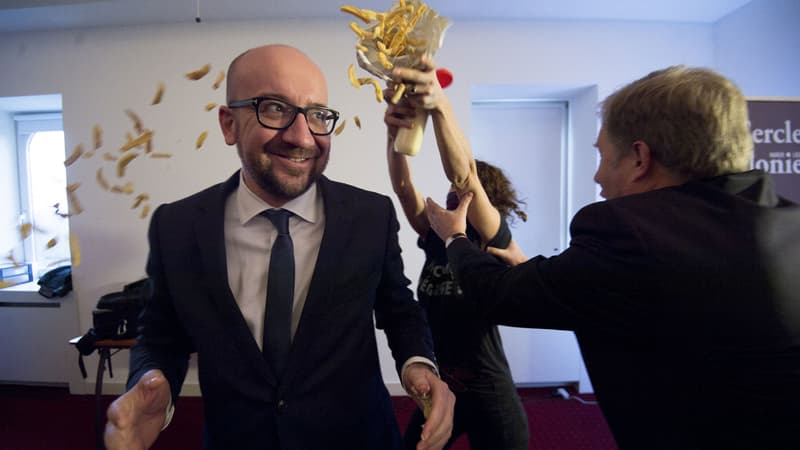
x=444, y=76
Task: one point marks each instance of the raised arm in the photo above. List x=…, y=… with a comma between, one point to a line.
x=399, y=170
x=454, y=151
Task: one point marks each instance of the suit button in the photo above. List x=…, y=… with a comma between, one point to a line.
x=281, y=405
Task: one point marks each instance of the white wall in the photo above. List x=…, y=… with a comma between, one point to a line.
x=8, y=182
x=758, y=47
x=101, y=72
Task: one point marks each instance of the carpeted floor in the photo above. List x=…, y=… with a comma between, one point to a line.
x=47, y=418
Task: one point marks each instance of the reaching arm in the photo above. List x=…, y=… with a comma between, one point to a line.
x=454, y=151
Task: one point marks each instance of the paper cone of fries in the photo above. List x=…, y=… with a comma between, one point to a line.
x=398, y=37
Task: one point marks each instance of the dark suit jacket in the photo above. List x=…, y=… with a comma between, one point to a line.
x=686, y=305
x=332, y=395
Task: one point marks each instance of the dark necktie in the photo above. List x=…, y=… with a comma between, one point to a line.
x=280, y=293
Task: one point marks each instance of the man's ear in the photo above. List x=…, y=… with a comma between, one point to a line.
x=643, y=161
x=228, y=125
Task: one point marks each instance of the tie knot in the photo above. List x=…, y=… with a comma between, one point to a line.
x=279, y=218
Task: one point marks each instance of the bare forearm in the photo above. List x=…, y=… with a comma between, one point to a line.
x=454, y=150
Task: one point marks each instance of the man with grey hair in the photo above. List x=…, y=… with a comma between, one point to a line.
x=682, y=287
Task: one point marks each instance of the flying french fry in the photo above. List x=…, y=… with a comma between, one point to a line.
x=199, y=73
x=218, y=80
x=159, y=94
x=123, y=163
x=340, y=128
x=74, y=155
x=200, y=139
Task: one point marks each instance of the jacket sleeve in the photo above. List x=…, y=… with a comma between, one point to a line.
x=396, y=311
x=161, y=342
x=598, y=281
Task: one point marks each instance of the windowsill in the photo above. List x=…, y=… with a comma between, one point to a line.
x=23, y=292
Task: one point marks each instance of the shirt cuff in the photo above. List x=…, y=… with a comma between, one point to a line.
x=452, y=238
x=170, y=413
x=417, y=359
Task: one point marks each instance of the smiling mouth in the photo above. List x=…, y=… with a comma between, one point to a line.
x=296, y=159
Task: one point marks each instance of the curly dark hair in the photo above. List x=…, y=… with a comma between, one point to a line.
x=500, y=192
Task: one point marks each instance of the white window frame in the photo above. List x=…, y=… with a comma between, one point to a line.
x=26, y=126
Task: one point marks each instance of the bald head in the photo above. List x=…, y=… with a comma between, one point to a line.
x=275, y=63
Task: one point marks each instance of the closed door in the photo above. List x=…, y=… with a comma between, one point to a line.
x=527, y=139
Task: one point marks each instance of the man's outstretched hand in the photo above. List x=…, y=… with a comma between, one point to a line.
x=136, y=417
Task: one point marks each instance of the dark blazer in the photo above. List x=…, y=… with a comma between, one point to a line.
x=686, y=305
x=332, y=395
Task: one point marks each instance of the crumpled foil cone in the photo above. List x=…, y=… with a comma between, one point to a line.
x=430, y=28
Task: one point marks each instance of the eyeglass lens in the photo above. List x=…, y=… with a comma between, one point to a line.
x=278, y=114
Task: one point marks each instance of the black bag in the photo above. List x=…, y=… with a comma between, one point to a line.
x=115, y=317
x=117, y=313
x=56, y=283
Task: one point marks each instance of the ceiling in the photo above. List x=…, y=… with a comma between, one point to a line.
x=38, y=15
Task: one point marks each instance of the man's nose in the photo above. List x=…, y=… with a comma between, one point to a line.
x=298, y=134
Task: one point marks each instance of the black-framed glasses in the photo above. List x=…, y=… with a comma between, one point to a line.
x=276, y=114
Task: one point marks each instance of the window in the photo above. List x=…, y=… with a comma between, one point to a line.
x=32, y=152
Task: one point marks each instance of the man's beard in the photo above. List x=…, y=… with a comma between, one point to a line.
x=296, y=185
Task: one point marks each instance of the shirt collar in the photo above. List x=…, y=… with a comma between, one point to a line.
x=307, y=206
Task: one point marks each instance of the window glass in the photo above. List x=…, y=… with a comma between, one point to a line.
x=47, y=181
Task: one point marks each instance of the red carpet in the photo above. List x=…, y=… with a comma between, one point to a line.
x=45, y=418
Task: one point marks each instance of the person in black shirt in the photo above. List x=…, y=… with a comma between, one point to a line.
x=468, y=348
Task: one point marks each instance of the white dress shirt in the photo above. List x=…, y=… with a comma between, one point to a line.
x=248, y=243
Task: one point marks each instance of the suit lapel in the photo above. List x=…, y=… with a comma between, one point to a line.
x=338, y=220
x=210, y=236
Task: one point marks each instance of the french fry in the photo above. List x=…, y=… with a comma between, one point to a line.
x=200, y=139
x=210, y=106
x=159, y=94
x=137, y=122
x=218, y=80
x=384, y=60
x=51, y=243
x=161, y=155
x=199, y=73
x=25, y=230
x=375, y=85
x=109, y=157
x=398, y=93
x=74, y=250
x=101, y=180
x=358, y=30
x=340, y=128
x=123, y=163
x=351, y=74
x=72, y=187
x=126, y=188
x=357, y=120
x=74, y=204
x=365, y=15
x=88, y=154
x=136, y=142
x=98, y=137
x=145, y=211
x=139, y=199
x=74, y=155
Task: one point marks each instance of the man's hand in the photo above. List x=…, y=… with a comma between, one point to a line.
x=424, y=387
x=135, y=418
x=447, y=223
x=512, y=255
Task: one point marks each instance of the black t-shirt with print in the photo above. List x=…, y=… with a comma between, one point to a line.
x=461, y=338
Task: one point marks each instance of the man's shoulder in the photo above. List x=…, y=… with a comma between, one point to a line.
x=341, y=190
x=208, y=194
